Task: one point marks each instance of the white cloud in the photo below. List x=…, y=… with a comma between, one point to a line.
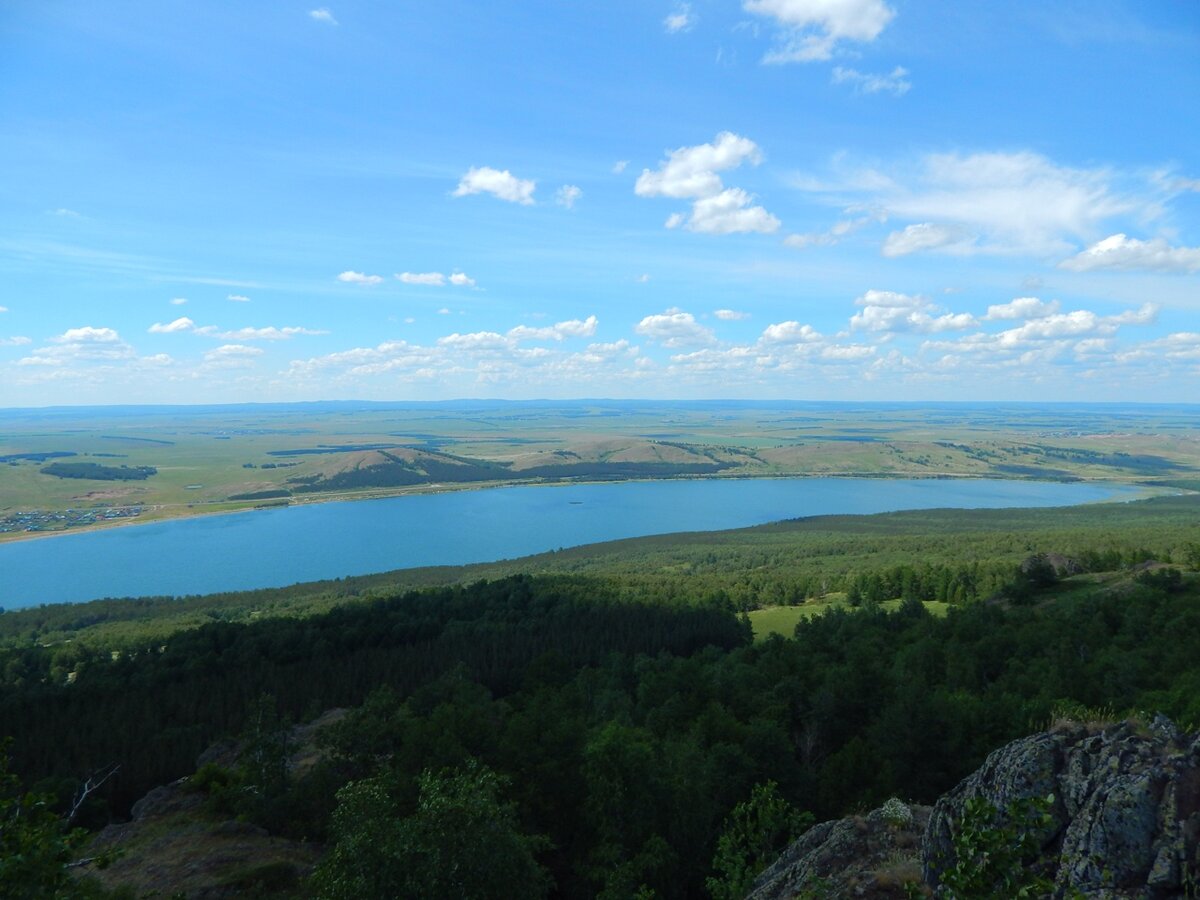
x=501, y=184
x=675, y=328
x=1121, y=252
x=895, y=82
x=571, y=328
x=1018, y=202
x=730, y=212
x=15, y=341
x=443, y=311
x=432, y=279
x=801, y=241
x=567, y=195
x=178, y=301
x=183, y=323
x=3, y=309
x=238, y=298
x=680, y=20
x=87, y=334
x=790, y=333
x=691, y=172
x=478, y=340
x=436, y=279
x=839, y=229
x=925, y=236
x=847, y=352
x=76, y=345
x=226, y=351
x=644, y=278
x=812, y=28
x=352, y=277
x=322, y=15
x=269, y=333
x=619, y=166
x=1022, y=308
x=65, y=213
x=731, y=315
x=888, y=311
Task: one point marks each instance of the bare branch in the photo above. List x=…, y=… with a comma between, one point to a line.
x=90, y=785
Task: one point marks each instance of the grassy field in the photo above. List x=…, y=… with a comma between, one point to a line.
x=205, y=458
x=782, y=620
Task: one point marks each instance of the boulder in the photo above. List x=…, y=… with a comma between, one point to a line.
x=1125, y=814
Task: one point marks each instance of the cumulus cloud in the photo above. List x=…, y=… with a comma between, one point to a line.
x=322, y=15
x=1121, y=252
x=183, y=323
x=680, y=20
x=567, y=195
x=178, y=301
x=15, y=341
x=432, y=279
x=436, y=279
x=811, y=29
x=352, y=277
x=790, y=333
x=269, y=333
x=691, y=173
x=895, y=82
x=571, y=328
x=76, y=345
x=730, y=212
x=1022, y=308
x=731, y=315
x=619, y=166
x=228, y=351
x=644, y=278
x=675, y=328
x=477, y=340
x=87, y=335
x=888, y=311
x=501, y=184
x=238, y=298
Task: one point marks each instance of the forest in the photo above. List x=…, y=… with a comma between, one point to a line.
x=605, y=736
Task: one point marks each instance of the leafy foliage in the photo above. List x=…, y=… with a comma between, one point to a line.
x=994, y=852
x=754, y=833
x=462, y=840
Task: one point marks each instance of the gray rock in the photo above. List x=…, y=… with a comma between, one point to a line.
x=868, y=856
x=1124, y=821
x=1126, y=813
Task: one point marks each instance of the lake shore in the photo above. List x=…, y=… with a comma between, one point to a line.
x=170, y=512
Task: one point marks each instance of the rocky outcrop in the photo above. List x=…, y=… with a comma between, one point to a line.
x=1125, y=818
x=1123, y=821
x=870, y=856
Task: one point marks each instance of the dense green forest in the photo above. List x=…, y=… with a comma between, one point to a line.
x=97, y=472
x=603, y=728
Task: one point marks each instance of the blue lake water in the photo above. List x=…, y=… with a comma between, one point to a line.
x=276, y=547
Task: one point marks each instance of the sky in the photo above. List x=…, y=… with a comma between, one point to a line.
x=802, y=199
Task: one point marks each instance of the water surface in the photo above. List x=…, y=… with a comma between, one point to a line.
x=276, y=547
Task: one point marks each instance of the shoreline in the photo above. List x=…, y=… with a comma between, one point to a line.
x=1145, y=491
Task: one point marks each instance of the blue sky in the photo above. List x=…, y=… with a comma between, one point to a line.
x=808, y=199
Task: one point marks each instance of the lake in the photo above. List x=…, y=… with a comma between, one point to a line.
x=276, y=547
